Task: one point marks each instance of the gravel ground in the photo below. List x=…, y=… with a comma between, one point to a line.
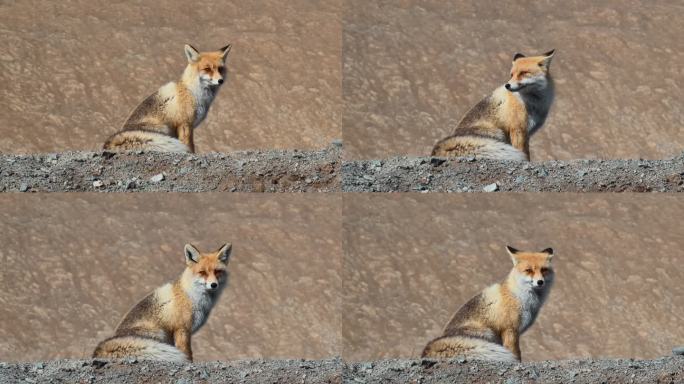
x=404, y=174
x=134, y=371
x=664, y=370
x=254, y=171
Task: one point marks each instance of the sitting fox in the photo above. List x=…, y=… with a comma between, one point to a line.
x=165, y=121
x=499, y=126
x=488, y=327
x=159, y=327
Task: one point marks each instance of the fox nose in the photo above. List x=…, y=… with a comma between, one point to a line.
x=220, y=81
x=540, y=282
x=214, y=285
x=508, y=86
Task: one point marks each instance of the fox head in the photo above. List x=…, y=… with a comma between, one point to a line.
x=208, y=270
x=529, y=73
x=532, y=269
x=210, y=67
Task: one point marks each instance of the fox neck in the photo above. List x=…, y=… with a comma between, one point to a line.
x=531, y=299
x=537, y=101
x=201, y=299
x=203, y=94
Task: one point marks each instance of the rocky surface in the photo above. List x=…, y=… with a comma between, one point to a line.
x=664, y=370
x=426, y=174
x=134, y=371
x=413, y=68
x=73, y=75
x=249, y=171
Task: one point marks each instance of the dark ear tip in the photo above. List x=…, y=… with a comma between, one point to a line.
x=548, y=250
x=517, y=56
x=511, y=249
x=549, y=53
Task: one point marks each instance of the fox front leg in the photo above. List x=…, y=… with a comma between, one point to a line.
x=512, y=342
x=185, y=136
x=519, y=141
x=181, y=339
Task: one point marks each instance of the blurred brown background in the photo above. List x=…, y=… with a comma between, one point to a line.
x=412, y=68
x=74, y=264
x=72, y=71
x=412, y=260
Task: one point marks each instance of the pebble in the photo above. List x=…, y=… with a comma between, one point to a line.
x=97, y=183
x=23, y=187
x=157, y=178
x=491, y=187
x=678, y=351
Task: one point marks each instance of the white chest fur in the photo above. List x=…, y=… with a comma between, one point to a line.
x=203, y=99
x=530, y=304
x=201, y=306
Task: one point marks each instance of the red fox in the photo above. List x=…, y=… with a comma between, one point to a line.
x=499, y=126
x=160, y=325
x=165, y=121
x=488, y=327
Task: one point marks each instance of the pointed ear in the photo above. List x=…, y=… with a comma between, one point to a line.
x=512, y=252
x=548, y=251
x=546, y=61
x=225, y=50
x=192, y=255
x=191, y=53
x=517, y=56
x=224, y=252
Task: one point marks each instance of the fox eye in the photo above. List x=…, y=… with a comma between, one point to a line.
x=544, y=270
x=529, y=270
x=524, y=73
x=218, y=272
x=203, y=273
x=208, y=69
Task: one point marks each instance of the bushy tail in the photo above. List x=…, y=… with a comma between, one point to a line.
x=145, y=349
x=471, y=348
x=144, y=140
x=481, y=147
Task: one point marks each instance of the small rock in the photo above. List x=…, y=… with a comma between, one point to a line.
x=157, y=178
x=678, y=351
x=436, y=161
x=38, y=366
x=98, y=183
x=23, y=187
x=491, y=187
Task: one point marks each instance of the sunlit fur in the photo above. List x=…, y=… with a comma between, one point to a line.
x=166, y=120
x=499, y=126
x=488, y=326
x=159, y=327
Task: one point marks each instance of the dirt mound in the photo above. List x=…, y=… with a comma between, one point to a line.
x=664, y=370
x=406, y=174
x=255, y=171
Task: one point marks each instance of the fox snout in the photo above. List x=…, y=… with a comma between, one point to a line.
x=514, y=87
x=540, y=282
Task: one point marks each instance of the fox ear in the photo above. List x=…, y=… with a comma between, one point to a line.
x=225, y=50
x=192, y=255
x=224, y=252
x=548, y=251
x=191, y=53
x=512, y=251
x=517, y=56
x=547, y=58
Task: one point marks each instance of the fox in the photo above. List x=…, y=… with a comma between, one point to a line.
x=501, y=124
x=159, y=327
x=489, y=326
x=165, y=121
